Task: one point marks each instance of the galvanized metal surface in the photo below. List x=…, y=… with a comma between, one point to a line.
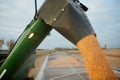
x=57, y=70
x=40, y=75
x=61, y=72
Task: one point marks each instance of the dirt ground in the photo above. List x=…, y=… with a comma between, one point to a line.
x=112, y=55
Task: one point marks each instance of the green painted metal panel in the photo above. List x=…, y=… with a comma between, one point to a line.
x=32, y=36
x=22, y=73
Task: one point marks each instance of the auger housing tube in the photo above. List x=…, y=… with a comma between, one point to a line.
x=67, y=17
x=32, y=36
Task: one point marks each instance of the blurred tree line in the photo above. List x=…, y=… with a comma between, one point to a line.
x=10, y=43
x=60, y=48
x=1, y=42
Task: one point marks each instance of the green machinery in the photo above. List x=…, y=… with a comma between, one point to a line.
x=66, y=16
x=63, y=17
x=14, y=66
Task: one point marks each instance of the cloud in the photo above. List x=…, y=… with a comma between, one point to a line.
x=103, y=15
x=56, y=40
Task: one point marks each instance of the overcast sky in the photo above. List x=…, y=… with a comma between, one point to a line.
x=104, y=16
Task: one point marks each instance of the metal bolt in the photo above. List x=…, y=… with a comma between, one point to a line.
x=63, y=9
x=54, y=19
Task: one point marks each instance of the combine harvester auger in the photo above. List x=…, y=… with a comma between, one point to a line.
x=69, y=19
